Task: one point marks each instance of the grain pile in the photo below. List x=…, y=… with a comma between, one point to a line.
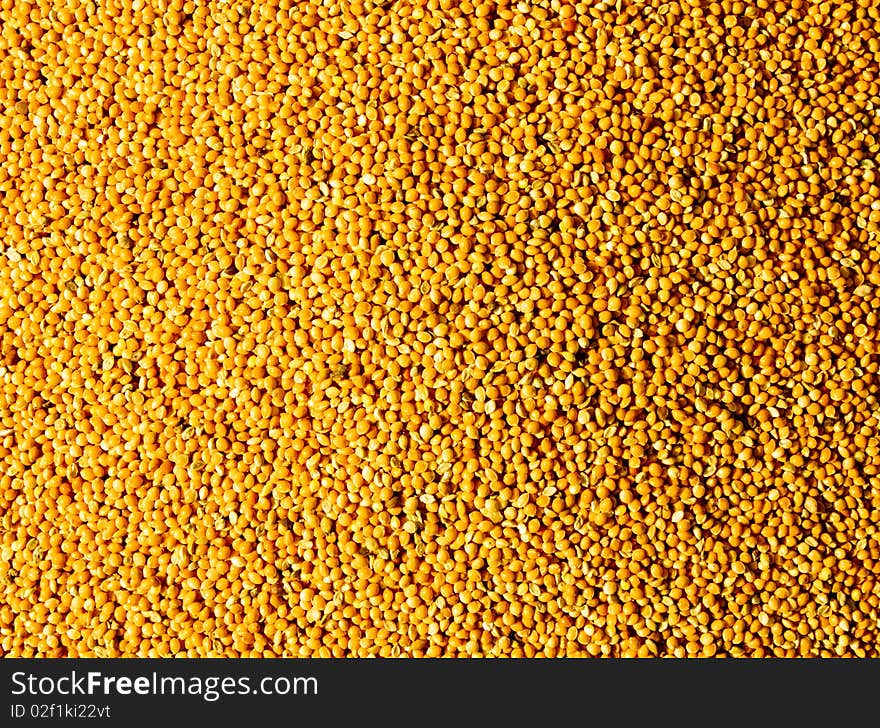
x=439, y=328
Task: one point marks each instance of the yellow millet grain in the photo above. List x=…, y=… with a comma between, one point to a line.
x=439, y=328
